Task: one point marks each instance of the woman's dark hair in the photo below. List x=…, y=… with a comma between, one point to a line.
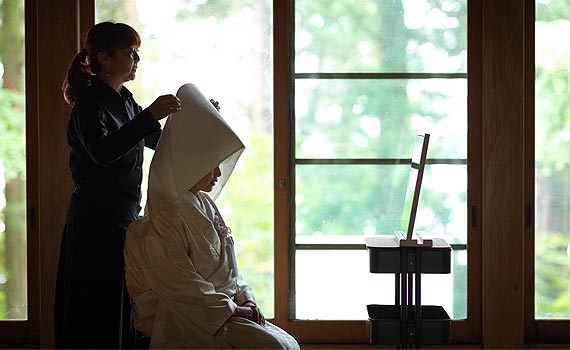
x=102, y=37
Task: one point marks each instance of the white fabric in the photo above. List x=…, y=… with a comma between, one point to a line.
x=179, y=258
x=194, y=141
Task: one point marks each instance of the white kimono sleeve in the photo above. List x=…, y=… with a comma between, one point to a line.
x=244, y=292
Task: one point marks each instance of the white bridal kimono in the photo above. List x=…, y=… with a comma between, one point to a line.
x=180, y=263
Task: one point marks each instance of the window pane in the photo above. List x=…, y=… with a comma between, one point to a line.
x=552, y=167
x=379, y=118
x=443, y=201
x=351, y=131
x=371, y=200
x=328, y=288
x=381, y=36
x=368, y=201
x=224, y=47
x=13, y=276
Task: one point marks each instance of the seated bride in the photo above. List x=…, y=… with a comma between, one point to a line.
x=181, y=270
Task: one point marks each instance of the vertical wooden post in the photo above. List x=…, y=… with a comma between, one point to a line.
x=503, y=111
x=57, y=38
x=282, y=15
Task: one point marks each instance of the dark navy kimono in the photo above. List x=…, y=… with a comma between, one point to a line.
x=107, y=133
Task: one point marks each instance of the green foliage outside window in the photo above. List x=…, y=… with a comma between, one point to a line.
x=13, y=279
x=12, y=214
x=552, y=147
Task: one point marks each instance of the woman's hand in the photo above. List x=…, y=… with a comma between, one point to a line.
x=251, y=313
x=164, y=105
x=216, y=104
x=258, y=316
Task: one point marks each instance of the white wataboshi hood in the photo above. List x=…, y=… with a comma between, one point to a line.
x=193, y=142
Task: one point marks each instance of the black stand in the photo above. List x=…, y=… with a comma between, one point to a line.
x=407, y=324
x=408, y=285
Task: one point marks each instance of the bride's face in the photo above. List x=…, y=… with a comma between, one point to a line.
x=207, y=183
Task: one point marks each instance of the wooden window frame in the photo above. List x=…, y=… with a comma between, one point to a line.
x=355, y=331
x=542, y=330
x=53, y=32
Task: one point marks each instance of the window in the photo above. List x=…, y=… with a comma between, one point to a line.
x=367, y=78
x=552, y=144
x=13, y=224
x=209, y=43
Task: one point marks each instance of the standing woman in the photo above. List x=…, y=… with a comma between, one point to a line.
x=107, y=132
